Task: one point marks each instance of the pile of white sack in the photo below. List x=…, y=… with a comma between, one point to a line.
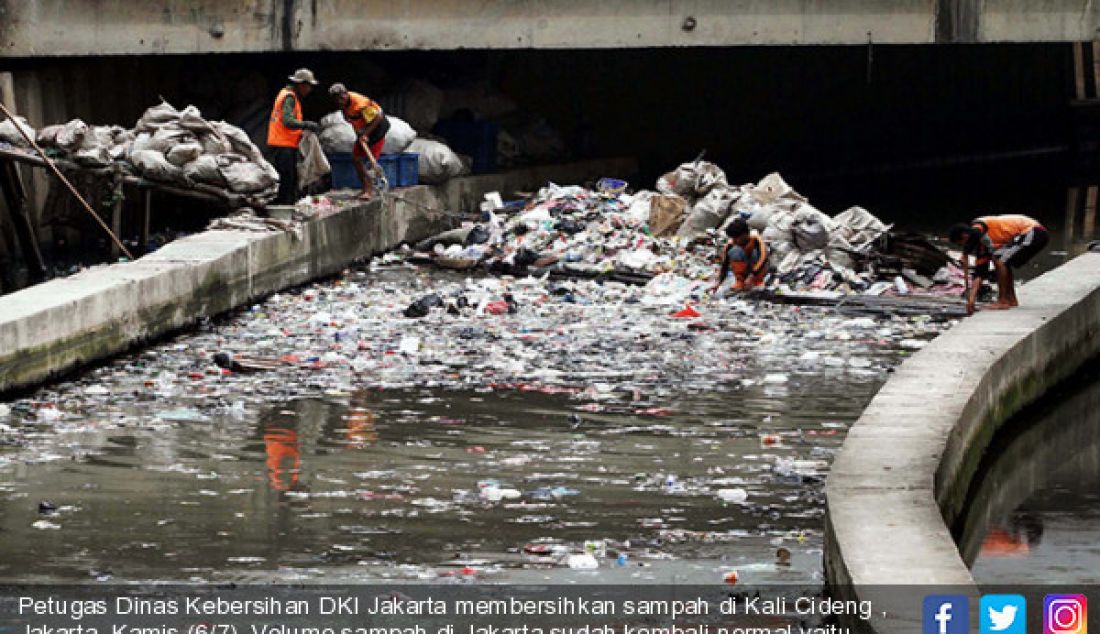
x=170, y=146
x=796, y=232
x=437, y=162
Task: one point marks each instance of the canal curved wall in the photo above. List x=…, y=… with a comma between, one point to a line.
x=902, y=475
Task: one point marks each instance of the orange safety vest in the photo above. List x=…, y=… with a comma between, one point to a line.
x=1002, y=229
x=756, y=254
x=278, y=135
x=354, y=110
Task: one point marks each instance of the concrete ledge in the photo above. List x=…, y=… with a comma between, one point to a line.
x=902, y=476
x=53, y=328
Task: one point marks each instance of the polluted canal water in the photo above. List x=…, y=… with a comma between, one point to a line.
x=584, y=434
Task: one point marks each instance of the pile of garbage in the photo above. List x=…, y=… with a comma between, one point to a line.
x=671, y=237
x=166, y=145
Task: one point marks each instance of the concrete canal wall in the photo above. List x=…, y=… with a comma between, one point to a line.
x=902, y=476
x=55, y=327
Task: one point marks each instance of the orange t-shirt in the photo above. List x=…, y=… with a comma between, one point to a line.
x=1002, y=229
x=361, y=110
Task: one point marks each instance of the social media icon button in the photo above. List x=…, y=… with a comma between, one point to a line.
x=1065, y=614
x=1002, y=614
x=945, y=614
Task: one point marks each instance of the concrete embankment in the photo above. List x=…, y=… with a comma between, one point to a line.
x=53, y=328
x=902, y=476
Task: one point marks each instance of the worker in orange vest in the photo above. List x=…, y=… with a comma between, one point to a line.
x=998, y=244
x=745, y=255
x=284, y=132
x=371, y=125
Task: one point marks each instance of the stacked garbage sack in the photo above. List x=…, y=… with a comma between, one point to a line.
x=436, y=161
x=171, y=146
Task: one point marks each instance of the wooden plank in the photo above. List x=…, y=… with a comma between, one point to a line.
x=1096, y=69
x=147, y=210
x=1073, y=196
x=116, y=218
x=15, y=196
x=1079, y=70
x=1090, y=214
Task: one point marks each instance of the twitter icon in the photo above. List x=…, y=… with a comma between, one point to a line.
x=1003, y=614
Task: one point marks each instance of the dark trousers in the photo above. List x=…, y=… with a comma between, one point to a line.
x=285, y=160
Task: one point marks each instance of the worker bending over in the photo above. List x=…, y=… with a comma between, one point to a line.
x=1001, y=243
x=371, y=125
x=745, y=255
x=284, y=132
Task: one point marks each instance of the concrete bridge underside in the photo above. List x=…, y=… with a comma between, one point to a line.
x=33, y=28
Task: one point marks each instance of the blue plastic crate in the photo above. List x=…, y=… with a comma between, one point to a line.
x=388, y=163
x=344, y=175
x=476, y=139
x=408, y=169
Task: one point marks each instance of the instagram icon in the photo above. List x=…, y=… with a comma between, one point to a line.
x=1065, y=614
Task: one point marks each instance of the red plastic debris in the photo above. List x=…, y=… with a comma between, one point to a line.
x=499, y=307
x=688, y=312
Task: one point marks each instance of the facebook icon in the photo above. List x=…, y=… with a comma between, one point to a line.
x=946, y=614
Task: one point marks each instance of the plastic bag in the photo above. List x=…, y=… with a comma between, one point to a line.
x=666, y=214
x=191, y=119
x=810, y=235
x=204, y=169
x=214, y=143
x=247, y=177
x=99, y=136
x=166, y=138
x=438, y=162
x=710, y=212
x=47, y=136
x=312, y=163
x=399, y=136
x=337, y=137
x=98, y=156
x=152, y=165
x=772, y=187
x=71, y=136
x=858, y=226
x=810, y=228
x=239, y=141
x=120, y=151
x=157, y=117
x=693, y=180
x=183, y=153
x=10, y=134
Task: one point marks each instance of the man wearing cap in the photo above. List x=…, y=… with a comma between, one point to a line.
x=371, y=125
x=284, y=132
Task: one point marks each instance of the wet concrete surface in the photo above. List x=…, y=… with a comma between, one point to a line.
x=595, y=439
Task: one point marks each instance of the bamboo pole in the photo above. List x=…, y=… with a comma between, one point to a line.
x=72, y=190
